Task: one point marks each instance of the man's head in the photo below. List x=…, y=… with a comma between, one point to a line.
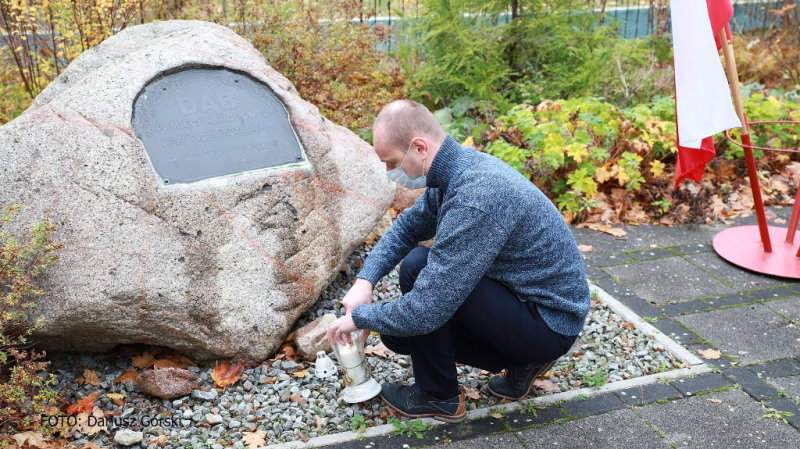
x=406, y=132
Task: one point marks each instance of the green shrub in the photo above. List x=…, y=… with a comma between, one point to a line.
x=24, y=394
x=587, y=154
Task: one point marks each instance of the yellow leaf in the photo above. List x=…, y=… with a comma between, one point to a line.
x=656, y=168
x=709, y=354
x=89, y=377
x=18, y=49
x=468, y=142
x=301, y=373
x=602, y=175
x=116, y=398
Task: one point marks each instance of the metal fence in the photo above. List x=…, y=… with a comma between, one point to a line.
x=635, y=18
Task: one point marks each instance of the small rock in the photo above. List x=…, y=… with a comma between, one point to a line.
x=312, y=337
x=205, y=395
x=127, y=437
x=213, y=419
x=289, y=366
x=167, y=383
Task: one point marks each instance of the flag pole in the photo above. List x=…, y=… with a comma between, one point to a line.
x=733, y=80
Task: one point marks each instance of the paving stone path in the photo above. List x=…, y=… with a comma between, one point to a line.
x=673, y=278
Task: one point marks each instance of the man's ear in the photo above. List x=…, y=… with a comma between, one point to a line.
x=421, y=146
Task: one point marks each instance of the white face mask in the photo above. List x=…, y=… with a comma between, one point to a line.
x=399, y=176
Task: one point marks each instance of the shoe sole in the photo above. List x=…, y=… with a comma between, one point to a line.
x=447, y=419
x=546, y=367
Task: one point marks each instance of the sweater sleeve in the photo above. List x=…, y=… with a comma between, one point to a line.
x=466, y=245
x=416, y=224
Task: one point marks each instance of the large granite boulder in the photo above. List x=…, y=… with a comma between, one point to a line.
x=217, y=268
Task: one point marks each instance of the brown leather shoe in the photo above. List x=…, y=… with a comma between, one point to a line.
x=413, y=402
x=518, y=381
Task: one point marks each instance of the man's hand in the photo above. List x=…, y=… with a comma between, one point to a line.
x=359, y=293
x=339, y=330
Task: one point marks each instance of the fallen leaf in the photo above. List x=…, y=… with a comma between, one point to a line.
x=89, y=377
x=379, y=350
x=270, y=380
x=585, y=248
x=547, y=386
x=629, y=326
x=471, y=393
x=116, y=398
x=86, y=428
x=254, y=439
x=33, y=439
x=300, y=374
x=161, y=440
x=129, y=375
x=84, y=405
x=709, y=354
x=296, y=398
x=716, y=401
x=608, y=229
x=226, y=375
x=169, y=363
x=319, y=422
x=498, y=415
x=144, y=360
x=370, y=239
x=90, y=445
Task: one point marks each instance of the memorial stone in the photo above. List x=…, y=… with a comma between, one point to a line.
x=202, y=204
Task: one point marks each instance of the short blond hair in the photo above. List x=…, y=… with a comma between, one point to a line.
x=403, y=120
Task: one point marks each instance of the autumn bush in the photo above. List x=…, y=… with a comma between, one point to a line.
x=603, y=163
x=25, y=390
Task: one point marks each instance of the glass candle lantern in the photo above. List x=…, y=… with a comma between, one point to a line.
x=359, y=384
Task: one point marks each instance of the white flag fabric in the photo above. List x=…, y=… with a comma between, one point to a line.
x=702, y=94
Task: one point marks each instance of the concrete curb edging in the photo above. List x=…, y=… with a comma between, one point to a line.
x=696, y=367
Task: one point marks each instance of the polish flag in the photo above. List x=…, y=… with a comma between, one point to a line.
x=702, y=95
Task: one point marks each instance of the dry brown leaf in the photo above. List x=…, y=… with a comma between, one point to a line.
x=296, y=398
x=715, y=401
x=319, y=422
x=608, y=229
x=84, y=405
x=128, y=376
x=161, y=440
x=254, y=439
x=89, y=377
x=169, y=363
x=629, y=326
x=116, y=398
x=90, y=445
x=709, y=354
x=144, y=360
x=300, y=374
x=585, y=248
x=547, y=386
x=270, y=380
x=498, y=415
x=379, y=350
x=226, y=375
x=33, y=439
x=370, y=239
x=86, y=428
x=471, y=393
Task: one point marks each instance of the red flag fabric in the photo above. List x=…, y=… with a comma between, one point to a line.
x=720, y=13
x=692, y=161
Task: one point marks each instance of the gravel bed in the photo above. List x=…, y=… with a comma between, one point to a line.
x=608, y=350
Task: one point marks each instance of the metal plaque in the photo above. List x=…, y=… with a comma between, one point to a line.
x=201, y=123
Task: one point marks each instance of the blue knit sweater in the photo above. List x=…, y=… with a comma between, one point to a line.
x=488, y=220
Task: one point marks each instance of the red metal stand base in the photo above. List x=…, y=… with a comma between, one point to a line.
x=742, y=246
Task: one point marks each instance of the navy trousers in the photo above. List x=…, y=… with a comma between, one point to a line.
x=491, y=330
